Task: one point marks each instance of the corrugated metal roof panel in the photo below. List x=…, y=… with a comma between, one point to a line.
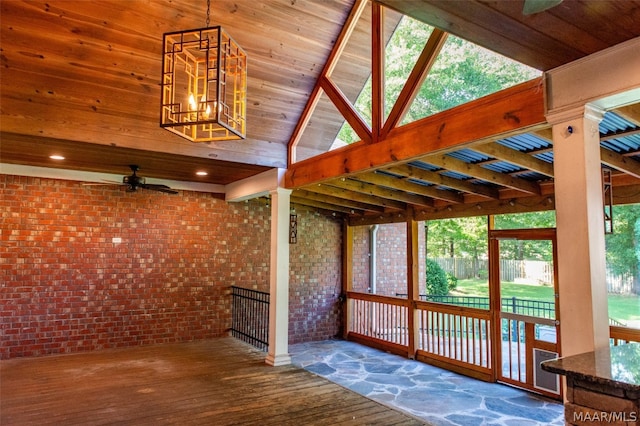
x=422, y=165
x=613, y=123
x=623, y=144
x=525, y=143
x=469, y=156
x=502, y=167
x=532, y=176
x=545, y=156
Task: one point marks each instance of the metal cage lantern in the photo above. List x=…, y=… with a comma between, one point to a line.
x=204, y=85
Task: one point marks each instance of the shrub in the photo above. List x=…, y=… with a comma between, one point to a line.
x=452, y=281
x=437, y=283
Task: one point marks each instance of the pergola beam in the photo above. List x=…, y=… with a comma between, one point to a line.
x=485, y=119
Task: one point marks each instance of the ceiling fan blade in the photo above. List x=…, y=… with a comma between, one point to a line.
x=160, y=188
x=105, y=182
x=537, y=6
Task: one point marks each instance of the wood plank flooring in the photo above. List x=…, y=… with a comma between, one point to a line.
x=215, y=382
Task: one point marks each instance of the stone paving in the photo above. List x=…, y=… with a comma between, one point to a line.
x=438, y=396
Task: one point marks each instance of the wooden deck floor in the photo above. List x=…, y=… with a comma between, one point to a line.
x=214, y=382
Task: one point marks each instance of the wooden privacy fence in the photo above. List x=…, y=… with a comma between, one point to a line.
x=534, y=271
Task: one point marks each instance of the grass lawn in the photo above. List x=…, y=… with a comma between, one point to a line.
x=622, y=308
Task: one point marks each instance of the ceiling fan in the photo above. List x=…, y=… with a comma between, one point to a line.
x=134, y=182
x=537, y=6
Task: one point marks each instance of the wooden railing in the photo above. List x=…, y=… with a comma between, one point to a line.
x=621, y=335
x=455, y=336
x=381, y=318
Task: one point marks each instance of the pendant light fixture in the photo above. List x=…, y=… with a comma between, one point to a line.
x=204, y=84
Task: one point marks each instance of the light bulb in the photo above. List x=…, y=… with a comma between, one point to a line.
x=207, y=110
x=192, y=103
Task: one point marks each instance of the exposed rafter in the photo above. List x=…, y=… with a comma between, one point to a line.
x=356, y=196
x=479, y=172
x=382, y=192
x=620, y=162
x=438, y=179
x=337, y=201
x=403, y=184
x=525, y=161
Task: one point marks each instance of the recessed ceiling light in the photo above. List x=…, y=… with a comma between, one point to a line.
x=56, y=157
x=202, y=173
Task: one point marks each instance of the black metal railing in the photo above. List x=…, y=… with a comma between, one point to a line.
x=250, y=316
x=534, y=308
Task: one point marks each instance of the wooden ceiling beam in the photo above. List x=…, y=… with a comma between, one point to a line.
x=416, y=78
x=356, y=196
x=403, y=184
x=630, y=112
x=438, y=179
x=377, y=73
x=620, y=162
x=339, y=46
x=520, y=159
x=332, y=200
x=617, y=135
x=496, y=115
x=346, y=109
x=377, y=191
x=479, y=172
x=320, y=205
x=492, y=207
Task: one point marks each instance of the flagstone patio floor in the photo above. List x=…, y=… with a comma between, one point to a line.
x=437, y=396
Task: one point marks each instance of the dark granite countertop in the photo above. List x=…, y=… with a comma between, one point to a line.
x=618, y=366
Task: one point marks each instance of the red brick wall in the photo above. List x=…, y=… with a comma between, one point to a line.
x=391, y=261
x=67, y=287
x=315, y=278
x=361, y=252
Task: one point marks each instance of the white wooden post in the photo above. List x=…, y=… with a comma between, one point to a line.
x=584, y=324
x=279, y=279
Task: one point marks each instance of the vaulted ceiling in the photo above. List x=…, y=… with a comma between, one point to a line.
x=82, y=79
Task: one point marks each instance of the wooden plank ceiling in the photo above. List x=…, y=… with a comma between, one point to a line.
x=88, y=74
x=82, y=79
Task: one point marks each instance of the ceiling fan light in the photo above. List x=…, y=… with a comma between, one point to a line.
x=204, y=85
x=536, y=6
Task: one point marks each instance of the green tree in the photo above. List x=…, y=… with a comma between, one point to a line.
x=462, y=72
x=623, y=246
x=461, y=237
